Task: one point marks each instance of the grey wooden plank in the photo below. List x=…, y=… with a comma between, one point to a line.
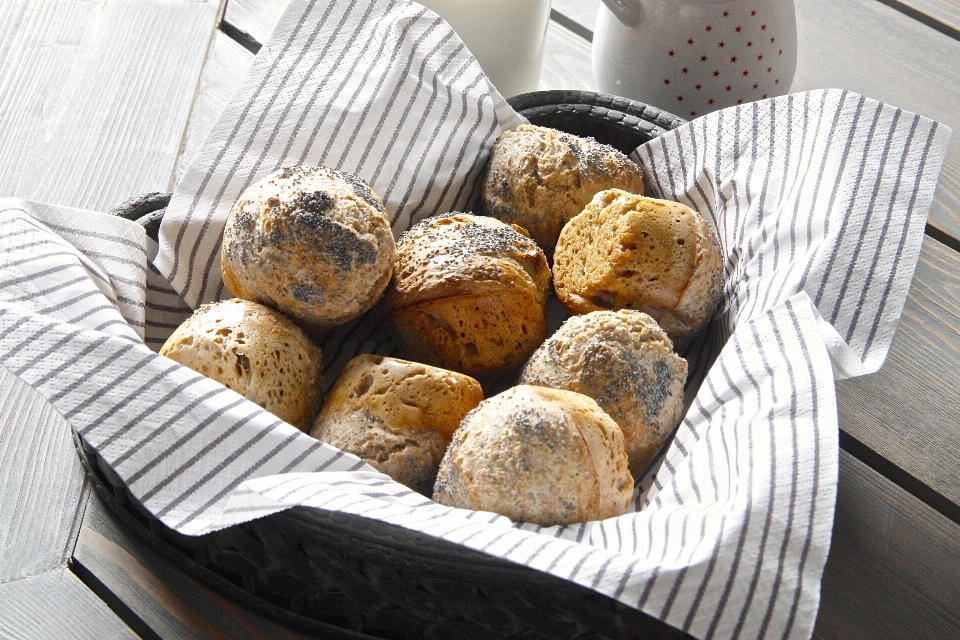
x=583, y=12
x=227, y=65
x=257, y=18
x=167, y=600
x=944, y=12
x=43, y=488
x=95, y=95
x=894, y=566
x=879, y=52
x=566, y=61
x=909, y=411
x=56, y=604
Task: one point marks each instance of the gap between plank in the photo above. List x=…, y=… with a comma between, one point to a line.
x=112, y=600
x=889, y=470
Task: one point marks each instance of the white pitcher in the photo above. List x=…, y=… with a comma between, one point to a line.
x=690, y=57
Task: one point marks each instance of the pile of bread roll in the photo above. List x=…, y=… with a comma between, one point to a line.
x=308, y=249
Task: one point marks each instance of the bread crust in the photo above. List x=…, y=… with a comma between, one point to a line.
x=539, y=178
x=630, y=252
x=624, y=361
x=257, y=352
x=311, y=242
x=538, y=455
x=396, y=415
x=468, y=293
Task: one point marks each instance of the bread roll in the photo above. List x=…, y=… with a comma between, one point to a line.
x=624, y=361
x=311, y=242
x=629, y=252
x=396, y=415
x=468, y=293
x=537, y=455
x=255, y=351
x=540, y=178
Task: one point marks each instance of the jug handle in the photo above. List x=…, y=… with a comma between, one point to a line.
x=628, y=12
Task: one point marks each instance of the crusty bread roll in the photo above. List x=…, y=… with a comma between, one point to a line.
x=624, y=361
x=537, y=455
x=311, y=242
x=255, y=351
x=396, y=415
x=625, y=251
x=468, y=293
x=539, y=178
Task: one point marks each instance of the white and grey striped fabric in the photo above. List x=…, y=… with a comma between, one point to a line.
x=818, y=199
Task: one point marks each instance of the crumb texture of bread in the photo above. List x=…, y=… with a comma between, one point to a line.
x=312, y=242
x=257, y=352
x=396, y=415
x=630, y=252
x=468, y=293
x=539, y=455
x=624, y=361
x=539, y=178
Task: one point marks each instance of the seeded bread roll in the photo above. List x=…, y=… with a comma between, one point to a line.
x=624, y=361
x=396, y=415
x=468, y=293
x=629, y=252
x=255, y=351
x=537, y=455
x=539, y=178
x=311, y=242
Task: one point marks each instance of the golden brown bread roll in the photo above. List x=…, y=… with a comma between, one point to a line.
x=539, y=178
x=624, y=361
x=396, y=415
x=255, y=351
x=468, y=293
x=625, y=251
x=537, y=455
x=311, y=242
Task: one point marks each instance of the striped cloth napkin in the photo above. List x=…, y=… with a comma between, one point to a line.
x=819, y=202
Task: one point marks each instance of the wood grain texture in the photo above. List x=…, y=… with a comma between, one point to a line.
x=876, y=51
x=566, y=61
x=892, y=572
x=55, y=604
x=44, y=489
x=227, y=65
x=257, y=18
x=909, y=411
x=161, y=595
x=946, y=12
x=95, y=95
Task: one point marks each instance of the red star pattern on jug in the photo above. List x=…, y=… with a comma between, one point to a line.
x=691, y=75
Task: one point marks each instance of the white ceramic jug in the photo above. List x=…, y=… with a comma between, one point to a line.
x=690, y=57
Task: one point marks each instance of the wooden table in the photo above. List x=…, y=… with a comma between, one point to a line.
x=101, y=100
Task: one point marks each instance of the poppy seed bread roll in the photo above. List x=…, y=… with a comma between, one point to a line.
x=624, y=361
x=311, y=242
x=468, y=293
x=625, y=251
x=257, y=352
x=537, y=455
x=539, y=178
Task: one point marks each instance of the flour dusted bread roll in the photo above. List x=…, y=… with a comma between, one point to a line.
x=538, y=455
x=539, y=178
x=625, y=251
x=396, y=415
x=624, y=361
x=255, y=351
x=311, y=242
x=468, y=293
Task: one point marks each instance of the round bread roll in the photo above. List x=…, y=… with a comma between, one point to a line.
x=255, y=351
x=396, y=415
x=625, y=251
x=540, y=178
x=624, y=361
x=469, y=294
x=539, y=455
x=311, y=242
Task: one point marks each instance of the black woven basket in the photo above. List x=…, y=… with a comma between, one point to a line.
x=341, y=575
